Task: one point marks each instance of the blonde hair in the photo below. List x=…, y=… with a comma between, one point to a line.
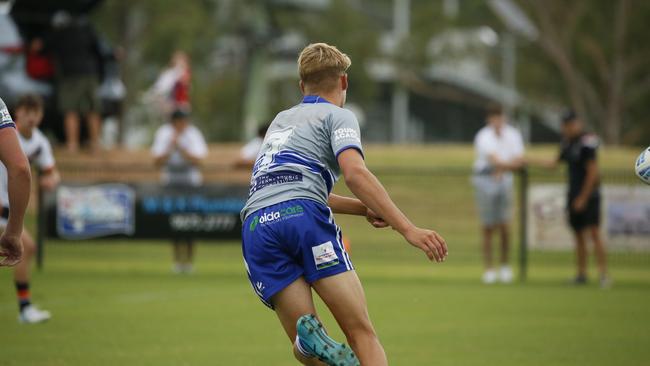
x=320, y=65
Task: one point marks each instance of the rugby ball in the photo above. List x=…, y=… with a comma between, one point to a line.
x=642, y=166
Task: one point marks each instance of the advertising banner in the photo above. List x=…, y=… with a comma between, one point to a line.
x=141, y=211
x=625, y=217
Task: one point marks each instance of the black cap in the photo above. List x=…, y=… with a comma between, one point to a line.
x=180, y=114
x=569, y=116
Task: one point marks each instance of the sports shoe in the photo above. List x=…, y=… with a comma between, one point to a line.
x=605, y=282
x=579, y=280
x=315, y=341
x=505, y=274
x=183, y=268
x=489, y=277
x=32, y=315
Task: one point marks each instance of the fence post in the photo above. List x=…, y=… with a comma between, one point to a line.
x=523, y=223
x=40, y=225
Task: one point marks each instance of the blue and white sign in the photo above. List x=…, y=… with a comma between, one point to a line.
x=95, y=211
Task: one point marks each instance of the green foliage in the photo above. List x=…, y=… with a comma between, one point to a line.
x=151, y=30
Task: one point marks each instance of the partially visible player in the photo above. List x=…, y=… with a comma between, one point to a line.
x=291, y=243
x=18, y=186
x=579, y=150
x=28, y=115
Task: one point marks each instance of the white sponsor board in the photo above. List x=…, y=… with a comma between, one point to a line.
x=625, y=217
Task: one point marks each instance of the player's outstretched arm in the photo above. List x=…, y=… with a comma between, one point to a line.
x=353, y=206
x=372, y=194
x=546, y=164
x=19, y=184
x=506, y=165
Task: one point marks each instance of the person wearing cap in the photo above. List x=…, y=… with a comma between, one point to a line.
x=179, y=148
x=579, y=150
x=499, y=150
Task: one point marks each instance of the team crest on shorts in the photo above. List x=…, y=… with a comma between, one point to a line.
x=324, y=255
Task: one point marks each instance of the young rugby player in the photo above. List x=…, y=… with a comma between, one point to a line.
x=18, y=186
x=291, y=243
x=29, y=112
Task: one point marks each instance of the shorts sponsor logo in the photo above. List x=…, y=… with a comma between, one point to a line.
x=275, y=216
x=253, y=225
x=346, y=133
x=324, y=255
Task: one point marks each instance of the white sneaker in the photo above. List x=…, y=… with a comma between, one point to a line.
x=183, y=268
x=606, y=282
x=489, y=277
x=31, y=315
x=188, y=268
x=505, y=274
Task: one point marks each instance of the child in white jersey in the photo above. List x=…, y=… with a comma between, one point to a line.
x=28, y=115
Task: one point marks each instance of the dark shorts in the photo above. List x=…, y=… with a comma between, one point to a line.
x=78, y=94
x=590, y=216
x=289, y=240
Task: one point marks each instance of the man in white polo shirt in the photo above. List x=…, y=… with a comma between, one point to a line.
x=499, y=150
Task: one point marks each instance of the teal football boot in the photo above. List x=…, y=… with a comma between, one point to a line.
x=315, y=341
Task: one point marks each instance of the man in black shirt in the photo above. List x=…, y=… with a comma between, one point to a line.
x=579, y=151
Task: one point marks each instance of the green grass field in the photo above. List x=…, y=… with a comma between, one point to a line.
x=119, y=304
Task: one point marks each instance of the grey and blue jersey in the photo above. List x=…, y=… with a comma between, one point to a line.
x=298, y=159
x=5, y=117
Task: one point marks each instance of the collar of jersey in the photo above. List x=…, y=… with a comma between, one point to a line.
x=313, y=99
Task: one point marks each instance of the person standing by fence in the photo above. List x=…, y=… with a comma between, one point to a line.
x=579, y=150
x=29, y=113
x=499, y=150
x=179, y=148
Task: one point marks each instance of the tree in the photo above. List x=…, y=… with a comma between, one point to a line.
x=595, y=46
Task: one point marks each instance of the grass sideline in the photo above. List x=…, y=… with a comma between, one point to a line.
x=118, y=303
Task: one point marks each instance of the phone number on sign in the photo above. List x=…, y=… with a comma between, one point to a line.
x=207, y=223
